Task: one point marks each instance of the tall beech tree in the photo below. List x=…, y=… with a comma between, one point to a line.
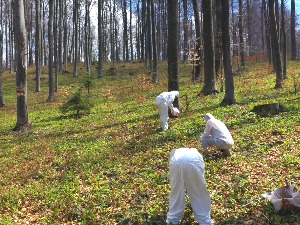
x=249, y=26
x=60, y=35
x=87, y=37
x=11, y=39
x=293, y=32
x=23, y=122
x=154, y=44
x=148, y=48
x=38, y=45
x=100, y=44
x=173, y=29
x=241, y=34
x=218, y=36
x=275, y=46
x=125, y=33
x=65, y=36
x=185, y=31
x=2, y=102
x=209, y=55
x=283, y=41
x=55, y=52
x=51, y=50
x=75, y=35
x=229, y=97
x=198, y=50
x=267, y=30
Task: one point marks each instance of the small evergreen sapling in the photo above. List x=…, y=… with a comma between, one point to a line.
x=88, y=83
x=78, y=102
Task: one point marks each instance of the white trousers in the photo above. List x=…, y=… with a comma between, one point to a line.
x=187, y=173
x=163, y=113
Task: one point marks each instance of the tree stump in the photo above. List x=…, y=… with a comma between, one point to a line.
x=268, y=109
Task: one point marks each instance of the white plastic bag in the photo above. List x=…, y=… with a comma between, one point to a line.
x=175, y=111
x=290, y=193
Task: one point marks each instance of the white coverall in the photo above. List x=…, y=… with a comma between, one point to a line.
x=187, y=173
x=216, y=133
x=163, y=102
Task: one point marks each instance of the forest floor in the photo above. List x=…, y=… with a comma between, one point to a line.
x=111, y=166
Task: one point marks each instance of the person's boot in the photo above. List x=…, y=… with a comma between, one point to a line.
x=225, y=153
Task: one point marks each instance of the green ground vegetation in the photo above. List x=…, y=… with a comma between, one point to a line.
x=110, y=166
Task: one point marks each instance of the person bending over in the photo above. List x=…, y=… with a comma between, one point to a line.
x=187, y=174
x=163, y=102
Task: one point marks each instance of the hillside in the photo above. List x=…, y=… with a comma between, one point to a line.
x=111, y=166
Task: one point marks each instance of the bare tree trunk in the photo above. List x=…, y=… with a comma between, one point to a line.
x=11, y=43
x=143, y=33
x=125, y=44
x=154, y=44
x=45, y=57
x=198, y=50
x=268, y=35
x=65, y=22
x=21, y=60
x=30, y=40
x=234, y=37
x=138, y=31
x=55, y=46
x=38, y=46
x=148, y=35
x=293, y=32
x=229, y=97
x=113, y=34
x=263, y=27
x=75, y=34
x=130, y=32
x=275, y=46
x=218, y=36
x=185, y=31
x=173, y=70
x=117, y=54
x=50, y=40
x=277, y=19
x=6, y=45
x=209, y=55
x=241, y=33
x=283, y=41
x=2, y=102
x=249, y=23
x=60, y=33
x=87, y=37
x=165, y=32
x=158, y=28
x=100, y=47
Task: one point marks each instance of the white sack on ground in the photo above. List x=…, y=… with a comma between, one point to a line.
x=291, y=194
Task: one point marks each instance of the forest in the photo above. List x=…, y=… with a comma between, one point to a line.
x=80, y=135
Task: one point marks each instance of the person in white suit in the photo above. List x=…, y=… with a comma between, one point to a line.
x=216, y=134
x=187, y=174
x=164, y=102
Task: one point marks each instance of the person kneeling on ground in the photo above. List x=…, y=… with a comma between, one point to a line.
x=163, y=102
x=216, y=134
x=187, y=173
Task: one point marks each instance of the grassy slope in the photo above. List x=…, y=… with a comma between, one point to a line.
x=112, y=165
